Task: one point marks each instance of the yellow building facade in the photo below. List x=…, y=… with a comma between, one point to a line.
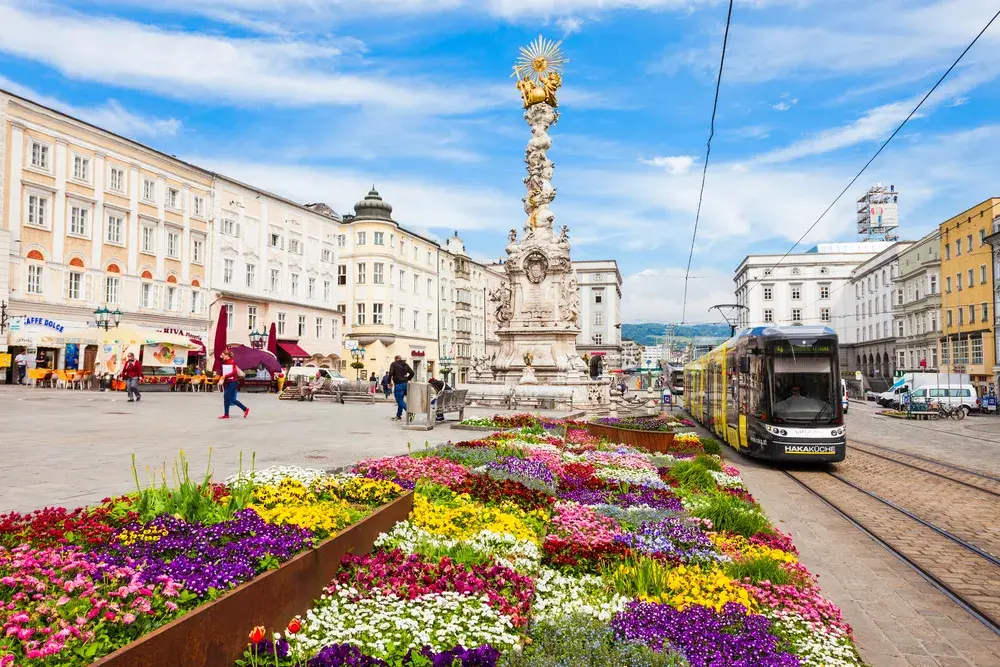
x=967, y=343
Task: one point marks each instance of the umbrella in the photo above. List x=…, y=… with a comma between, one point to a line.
x=272, y=340
x=220, y=338
x=248, y=357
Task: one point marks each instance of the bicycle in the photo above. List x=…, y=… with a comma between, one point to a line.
x=956, y=413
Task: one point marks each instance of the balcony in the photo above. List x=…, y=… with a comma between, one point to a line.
x=366, y=334
x=463, y=305
x=463, y=335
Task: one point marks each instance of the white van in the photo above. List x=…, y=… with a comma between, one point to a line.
x=953, y=395
x=308, y=373
x=844, y=401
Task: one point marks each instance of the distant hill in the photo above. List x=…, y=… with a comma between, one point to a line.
x=652, y=333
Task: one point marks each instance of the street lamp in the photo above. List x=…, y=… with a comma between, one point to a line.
x=3, y=317
x=358, y=354
x=105, y=319
x=445, y=363
x=258, y=339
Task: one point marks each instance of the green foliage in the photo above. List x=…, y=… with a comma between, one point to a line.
x=582, y=641
x=711, y=446
x=708, y=463
x=759, y=569
x=693, y=475
x=472, y=457
x=727, y=512
x=186, y=498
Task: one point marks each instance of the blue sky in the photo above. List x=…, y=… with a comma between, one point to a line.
x=317, y=100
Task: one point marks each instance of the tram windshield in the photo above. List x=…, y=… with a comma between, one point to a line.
x=803, y=391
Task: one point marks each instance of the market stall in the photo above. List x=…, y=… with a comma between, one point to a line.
x=260, y=367
x=163, y=355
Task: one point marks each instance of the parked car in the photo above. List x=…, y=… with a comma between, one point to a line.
x=952, y=395
x=307, y=373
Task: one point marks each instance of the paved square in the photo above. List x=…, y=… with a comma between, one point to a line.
x=74, y=447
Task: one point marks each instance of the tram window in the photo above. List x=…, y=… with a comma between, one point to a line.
x=802, y=390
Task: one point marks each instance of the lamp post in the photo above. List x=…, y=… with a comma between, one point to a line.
x=358, y=354
x=3, y=317
x=446, y=362
x=105, y=319
x=258, y=339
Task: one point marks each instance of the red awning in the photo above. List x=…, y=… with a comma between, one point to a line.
x=293, y=350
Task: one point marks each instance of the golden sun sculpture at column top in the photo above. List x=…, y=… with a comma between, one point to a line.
x=538, y=71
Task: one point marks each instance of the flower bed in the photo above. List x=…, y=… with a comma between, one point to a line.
x=119, y=579
x=567, y=551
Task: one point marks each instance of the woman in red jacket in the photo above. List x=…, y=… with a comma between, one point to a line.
x=231, y=385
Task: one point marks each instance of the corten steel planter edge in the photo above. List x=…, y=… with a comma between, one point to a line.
x=216, y=634
x=657, y=442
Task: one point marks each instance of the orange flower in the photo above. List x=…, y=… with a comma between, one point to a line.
x=257, y=635
x=294, y=626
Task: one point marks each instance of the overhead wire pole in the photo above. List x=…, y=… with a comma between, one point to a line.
x=708, y=153
x=882, y=147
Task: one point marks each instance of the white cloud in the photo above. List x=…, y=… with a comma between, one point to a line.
x=110, y=116
x=750, y=132
x=959, y=101
x=195, y=66
x=657, y=294
x=785, y=105
x=569, y=25
x=677, y=164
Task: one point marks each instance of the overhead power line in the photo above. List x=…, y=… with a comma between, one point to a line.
x=884, y=144
x=708, y=152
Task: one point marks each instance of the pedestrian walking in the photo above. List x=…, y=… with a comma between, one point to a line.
x=387, y=384
x=401, y=374
x=21, y=361
x=131, y=374
x=373, y=381
x=231, y=375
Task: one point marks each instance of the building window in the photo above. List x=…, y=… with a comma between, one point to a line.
x=933, y=285
x=947, y=251
x=319, y=327
x=81, y=168
x=416, y=320
x=116, y=179
x=824, y=314
x=824, y=270
x=977, y=350
x=598, y=318
x=796, y=292
x=34, y=279
x=230, y=227
x=326, y=291
x=972, y=278
x=197, y=250
x=972, y=314
x=430, y=322
x=430, y=257
x=40, y=156
x=73, y=286
x=598, y=339
x=969, y=241
x=171, y=304
x=416, y=284
x=377, y=313
x=958, y=248
x=341, y=240
x=341, y=274
x=402, y=280
x=195, y=301
x=326, y=255
x=149, y=190
x=302, y=326
x=294, y=245
x=295, y=284
x=362, y=238
x=148, y=240
x=274, y=240
x=378, y=239
x=416, y=255
x=948, y=318
x=958, y=281
x=961, y=316
x=251, y=318
x=768, y=315
x=281, y=324
x=173, y=197
x=378, y=273
x=251, y=276
x=78, y=221
x=275, y=280
x=947, y=284
x=824, y=292
x=768, y=293
x=986, y=311
x=173, y=245
x=430, y=286
x=796, y=314
x=146, y=296
x=361, y=314
x=361, y=273
x=402, y=311
x=199, y=206
x=598, y=296
x=311, y=288
x=333, y=328
x=38, y=211
x=767, y=272
x=111, y=290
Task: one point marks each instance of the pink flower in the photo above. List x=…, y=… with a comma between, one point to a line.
x=128, y=619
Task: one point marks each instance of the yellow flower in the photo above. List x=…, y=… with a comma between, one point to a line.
x=462, y=518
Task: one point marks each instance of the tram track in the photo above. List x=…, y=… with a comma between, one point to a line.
x=899, y=457
x=965, y=573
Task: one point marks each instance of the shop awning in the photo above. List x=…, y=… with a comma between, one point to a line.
x=293, y=350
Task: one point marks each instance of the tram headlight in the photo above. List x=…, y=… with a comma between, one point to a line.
x=837, y=431
x=784, y=432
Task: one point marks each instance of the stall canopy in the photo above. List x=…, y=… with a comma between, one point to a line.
x=248, y=357
x=293, y=350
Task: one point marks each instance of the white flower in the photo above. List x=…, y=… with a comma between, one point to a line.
x=274, y=475
x=558, y=594
x=722, y=479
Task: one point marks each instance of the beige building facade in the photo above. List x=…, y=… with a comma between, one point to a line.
x=90, y=220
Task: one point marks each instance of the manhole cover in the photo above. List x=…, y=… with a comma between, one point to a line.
x=117, y=413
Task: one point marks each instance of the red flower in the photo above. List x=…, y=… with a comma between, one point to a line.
x=257, y=635
x=294, y=626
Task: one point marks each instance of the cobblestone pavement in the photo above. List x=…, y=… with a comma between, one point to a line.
x=973, y=442
x=74, y=447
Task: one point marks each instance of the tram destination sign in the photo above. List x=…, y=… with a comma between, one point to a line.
x=803, y=347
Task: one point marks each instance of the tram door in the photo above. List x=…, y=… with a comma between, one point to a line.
x=732, y=398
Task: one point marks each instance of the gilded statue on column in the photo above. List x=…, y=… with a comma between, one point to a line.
x=539, y=72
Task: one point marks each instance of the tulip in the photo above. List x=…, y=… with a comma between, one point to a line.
x=257, y=635
x=294, y=626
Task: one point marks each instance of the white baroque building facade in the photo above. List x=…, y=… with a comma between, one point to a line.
x=600, y=320
x=917, y=309
x=388, y=284
x=275, y=262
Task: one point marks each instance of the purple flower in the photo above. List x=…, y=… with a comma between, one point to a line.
x=513, y=466
x=483, y=656
x=644, y=495
x=343, y=655
x=586, y=496
x=706, y=638
x=673, y=536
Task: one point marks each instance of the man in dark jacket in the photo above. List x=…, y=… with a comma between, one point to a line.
x=387, y=384
x=131, y=373
x=401, y=374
